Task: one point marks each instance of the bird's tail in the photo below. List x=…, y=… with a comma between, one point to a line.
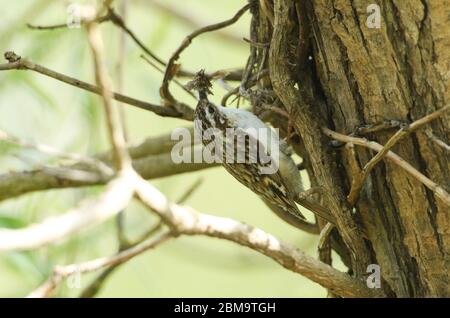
x=317, y=209
x=293, y=217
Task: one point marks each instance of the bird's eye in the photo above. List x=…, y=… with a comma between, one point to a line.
x=210, y=109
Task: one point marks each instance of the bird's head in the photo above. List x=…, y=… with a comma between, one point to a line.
x=207, y=114
x=201, y=83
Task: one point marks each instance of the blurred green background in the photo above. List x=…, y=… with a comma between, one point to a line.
x=43, y=110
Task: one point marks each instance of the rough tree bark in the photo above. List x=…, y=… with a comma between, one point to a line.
x=358, y=76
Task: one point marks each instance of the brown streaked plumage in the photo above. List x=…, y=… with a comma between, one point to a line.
x=280, y=188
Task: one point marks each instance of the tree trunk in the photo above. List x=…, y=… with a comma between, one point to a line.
x=360, y=75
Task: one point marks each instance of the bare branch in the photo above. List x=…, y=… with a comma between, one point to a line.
x=24, y=64
x=119, y=81
x=120, y=65
x=13, y=184
x=186, y=221
x=63, y=25
x=154, y=146
x=94, y=163
x=183, y=220
x=325, y=235
x=437, y=189
x=191, y=19
x=437, y=141
x=146, y=59
x=171, y=67
x=324, y=248
x=188, y=193
x=359, y=179
x=117, y=20
x=115, y=129
x=95, y=286
x=62, y=272
x=377, y=127
x=92, y=212
x=120, y=23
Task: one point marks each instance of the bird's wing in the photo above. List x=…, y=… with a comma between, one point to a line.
x=270, y=186
x=248, y=120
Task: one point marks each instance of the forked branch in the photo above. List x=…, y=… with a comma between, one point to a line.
x=359, y=179
x=433, y=186
x=172, y=68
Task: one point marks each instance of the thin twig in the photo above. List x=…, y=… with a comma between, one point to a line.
x=324, y=248
x=16, y=183
x=437, y=141
x=96, y=285
x=248, y=70
x=359, y=179
x=377, y=127
x=117, y=20
x=95, y=163
x=252, y=82
x=325, y=236
x=154, y=145
x=122, y=46
x=257, y=44
x=188, y=193
x=156, y=67
x=25, y=64
x=62, y=272
x=171, y=67
x=190, y=17
x=115, y=129
x=64, y=25
x=433, y=186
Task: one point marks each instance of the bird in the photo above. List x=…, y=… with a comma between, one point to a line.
x=279, y=189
